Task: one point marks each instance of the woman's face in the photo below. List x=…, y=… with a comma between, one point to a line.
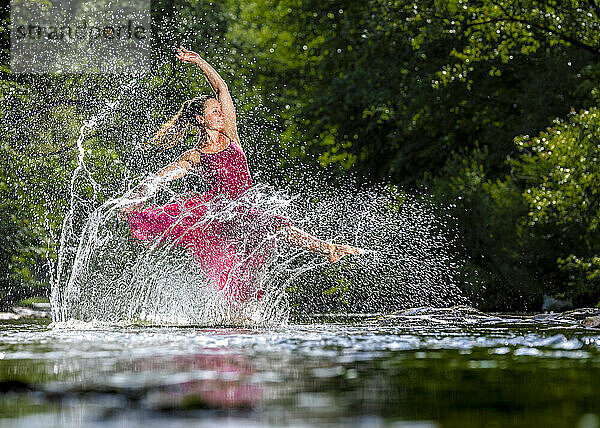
x=213, y=115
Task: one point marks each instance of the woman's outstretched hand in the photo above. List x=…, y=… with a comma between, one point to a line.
x=188, y=56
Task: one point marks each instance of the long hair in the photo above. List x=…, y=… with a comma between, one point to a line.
x=173, y=132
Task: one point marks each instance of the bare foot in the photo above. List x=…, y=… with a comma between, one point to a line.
x=337, y=251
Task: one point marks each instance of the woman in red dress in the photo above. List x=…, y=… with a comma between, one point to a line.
x=221, y=160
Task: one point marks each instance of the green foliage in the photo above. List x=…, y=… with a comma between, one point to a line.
x=357, y=87
x=560, y=172
x=561, y=169
x=505, y=30
x=487, y=214
x=24, y=214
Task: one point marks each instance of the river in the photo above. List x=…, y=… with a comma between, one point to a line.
x=424, y=371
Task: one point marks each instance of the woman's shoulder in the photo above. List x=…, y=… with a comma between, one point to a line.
x=236, y=143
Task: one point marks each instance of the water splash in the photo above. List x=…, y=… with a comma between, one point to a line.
x=103, y=274
x=80, y=205
x=407, y=261
x=409, y=257
x=116, y=278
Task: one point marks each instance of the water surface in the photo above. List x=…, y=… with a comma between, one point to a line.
x=360, y=372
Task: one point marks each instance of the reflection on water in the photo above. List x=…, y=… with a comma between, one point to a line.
x=364, y=373
x=219, y=380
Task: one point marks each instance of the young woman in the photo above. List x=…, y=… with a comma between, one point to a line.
x=218, y=155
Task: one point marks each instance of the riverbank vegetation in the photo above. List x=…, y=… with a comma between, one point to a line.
x=490, y=107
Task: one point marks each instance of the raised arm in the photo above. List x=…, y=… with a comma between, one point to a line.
x=220, y=88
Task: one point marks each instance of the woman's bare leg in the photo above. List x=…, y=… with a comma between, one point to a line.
x=304, y=240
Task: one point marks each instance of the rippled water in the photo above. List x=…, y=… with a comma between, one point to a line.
x=362, y=373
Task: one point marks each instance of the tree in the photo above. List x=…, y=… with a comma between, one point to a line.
x=560, y=172
x=506, y=30
x=358, y=85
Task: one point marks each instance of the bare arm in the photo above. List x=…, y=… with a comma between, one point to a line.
x=220, y=88
x=134, y=199
x=174, y=171
x=180, y=167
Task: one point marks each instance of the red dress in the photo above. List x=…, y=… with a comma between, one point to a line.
x=230, y=239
